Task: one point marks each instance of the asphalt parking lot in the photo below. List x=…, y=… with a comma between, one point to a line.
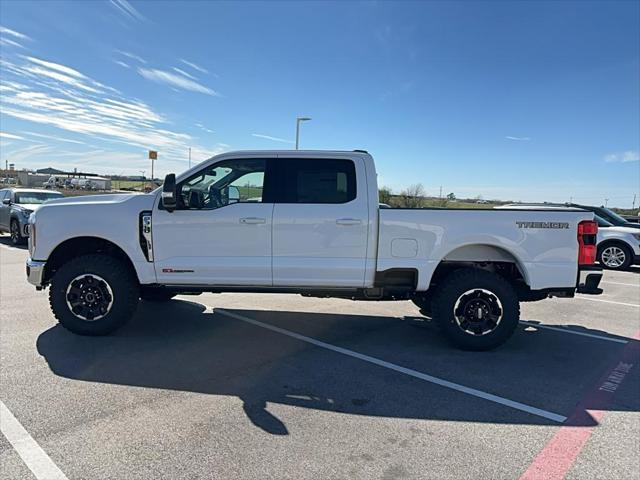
x=282, y=386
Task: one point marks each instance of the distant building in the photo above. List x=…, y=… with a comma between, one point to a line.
x=32, y=180
x=50, y=171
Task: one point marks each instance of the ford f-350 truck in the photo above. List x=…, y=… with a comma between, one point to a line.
x=305, y=222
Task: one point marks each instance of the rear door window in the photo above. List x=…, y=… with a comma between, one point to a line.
x=316, y=181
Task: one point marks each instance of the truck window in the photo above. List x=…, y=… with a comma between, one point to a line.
x=318, y=181
x=222, y=184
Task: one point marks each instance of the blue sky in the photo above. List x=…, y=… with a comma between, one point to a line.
x=513, y=100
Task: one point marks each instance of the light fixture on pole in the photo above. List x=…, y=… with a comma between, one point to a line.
x=153, y=155
x=298, y=120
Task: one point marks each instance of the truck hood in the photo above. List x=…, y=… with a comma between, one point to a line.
x=93, y=199
x=98, y=203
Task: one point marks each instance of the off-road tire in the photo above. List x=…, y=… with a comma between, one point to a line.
x=119, y=278
x=454, y=287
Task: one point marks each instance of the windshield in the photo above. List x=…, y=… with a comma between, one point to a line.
x=35, y=197
x=602, y=222
x=614, y=217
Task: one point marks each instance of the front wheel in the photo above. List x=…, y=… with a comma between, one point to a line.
x=476, y=309
x=14, y=230
x=93, y=294
x=615, y=257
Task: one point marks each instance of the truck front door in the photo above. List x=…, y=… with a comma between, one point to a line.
x=220, y=232
x=320, y=222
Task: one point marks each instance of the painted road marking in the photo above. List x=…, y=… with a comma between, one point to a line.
x=567, y=330
x=608, y=301
x=561, y=452
x=407, y=371
x=30, y=452
x=620, y=283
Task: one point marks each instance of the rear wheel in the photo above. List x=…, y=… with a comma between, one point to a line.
x=476, y=309
x=615, y=256
x=93, y=294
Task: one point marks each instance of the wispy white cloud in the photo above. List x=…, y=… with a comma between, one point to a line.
x=56, y=66
x=194, y=66
x=50, y=74
x=10, y=135
x=518, y=139
x=269, y=137
x=122, y=64
x=132, y=56
x=623, y=157
x=125, y=8
x=12, y=33
x=202, y=127
x=101, y=114
x=182, y=72
x=7, y=42
x=29, y=152
x=52, y=137
x=168, y=78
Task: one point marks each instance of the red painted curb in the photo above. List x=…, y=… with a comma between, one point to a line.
x=561, y=452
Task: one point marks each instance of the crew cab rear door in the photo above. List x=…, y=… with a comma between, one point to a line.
x=320, y=222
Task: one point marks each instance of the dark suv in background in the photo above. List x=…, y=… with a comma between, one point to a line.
x=16, y=204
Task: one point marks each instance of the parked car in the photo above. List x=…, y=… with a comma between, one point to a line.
x=16, y=204
x=618, y=246
x=609, y=215
x=318, y=231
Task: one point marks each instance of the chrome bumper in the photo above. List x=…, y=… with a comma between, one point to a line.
x=35, y=272
x=589, y=279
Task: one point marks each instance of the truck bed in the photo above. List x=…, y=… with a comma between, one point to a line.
x=542, y=243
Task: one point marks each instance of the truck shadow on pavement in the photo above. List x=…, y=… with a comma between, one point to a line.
x=182, y=346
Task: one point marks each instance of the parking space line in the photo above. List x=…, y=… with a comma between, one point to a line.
x=30, y=452
x=407, y=371
x=608, y=301
x=620, y=283
x=573, y=332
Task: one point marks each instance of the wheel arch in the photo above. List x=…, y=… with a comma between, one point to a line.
x=614, y=241
x=484, y=256
x=77, y=246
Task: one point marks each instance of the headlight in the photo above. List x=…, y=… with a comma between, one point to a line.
x=636, y=236
x=26, y=213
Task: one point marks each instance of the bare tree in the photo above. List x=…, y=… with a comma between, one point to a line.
x=384, y=195
x=413, y=196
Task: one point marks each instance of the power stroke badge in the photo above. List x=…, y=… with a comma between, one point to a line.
x=560, y=225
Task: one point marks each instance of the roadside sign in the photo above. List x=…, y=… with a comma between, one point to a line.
x=153, y=155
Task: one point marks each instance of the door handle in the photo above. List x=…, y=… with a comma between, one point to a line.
x=348, y=221
x=253, y=220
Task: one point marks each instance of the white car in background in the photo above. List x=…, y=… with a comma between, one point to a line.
x=618, y=247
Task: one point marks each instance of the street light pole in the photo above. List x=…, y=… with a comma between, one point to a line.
x=298, y=120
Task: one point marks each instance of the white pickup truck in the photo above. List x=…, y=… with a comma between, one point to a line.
x=304, y=222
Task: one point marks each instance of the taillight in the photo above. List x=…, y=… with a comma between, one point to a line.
x=587, y=240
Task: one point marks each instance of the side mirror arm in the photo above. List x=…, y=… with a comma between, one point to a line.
x=168, y=196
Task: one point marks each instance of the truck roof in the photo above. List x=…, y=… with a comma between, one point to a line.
x=302, y=153
x=21, y=189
